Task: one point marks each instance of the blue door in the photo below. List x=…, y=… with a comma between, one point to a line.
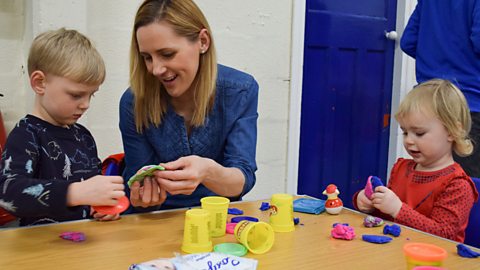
x=346, y=96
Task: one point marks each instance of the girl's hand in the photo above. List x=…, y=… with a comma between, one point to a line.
x=386, y=201
x=364, y=204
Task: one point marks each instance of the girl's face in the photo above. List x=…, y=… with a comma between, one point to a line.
x=427, y=140
x=60, y=101
x=173, y=59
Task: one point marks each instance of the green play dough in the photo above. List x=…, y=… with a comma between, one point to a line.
x=144, y=171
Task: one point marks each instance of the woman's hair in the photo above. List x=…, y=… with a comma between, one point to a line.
x=69, y=54
x=448, y=104
x=186, y=20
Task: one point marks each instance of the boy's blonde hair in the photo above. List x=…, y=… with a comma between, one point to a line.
x=187, y=20
x=445, y=101
x=69, y=54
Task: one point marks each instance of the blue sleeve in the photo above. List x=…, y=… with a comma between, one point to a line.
x=240, y=148
x=475, y=36
x=409, y=39
x=138, y=151
x=22, y=192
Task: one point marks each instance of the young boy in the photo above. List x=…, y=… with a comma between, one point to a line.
x=50, y=171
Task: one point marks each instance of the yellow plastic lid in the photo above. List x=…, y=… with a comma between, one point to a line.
x=424, y=252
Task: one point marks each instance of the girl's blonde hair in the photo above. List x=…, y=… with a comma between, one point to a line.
x=150, y=97
x=69, y=54
x=448, y=104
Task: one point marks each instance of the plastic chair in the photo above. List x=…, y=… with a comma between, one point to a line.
x=472, y=233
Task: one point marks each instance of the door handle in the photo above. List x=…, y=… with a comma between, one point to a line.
x=392, y=35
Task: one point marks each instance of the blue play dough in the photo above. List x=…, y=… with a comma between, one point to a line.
x=377, y=239
x=376, y=182
x=238, y=219
x=466, y=252
x=393, y=229
x=265, y=206
x=235, y=211
x=311, y=206
x=296, y=220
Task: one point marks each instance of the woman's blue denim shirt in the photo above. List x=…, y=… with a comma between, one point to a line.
x=229, y=135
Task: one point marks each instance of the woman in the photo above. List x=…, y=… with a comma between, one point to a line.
x=184, y=111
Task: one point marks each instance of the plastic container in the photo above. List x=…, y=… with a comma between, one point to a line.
x=218, y=208
x=257, y=237
x=421, y=254
x=196, y=234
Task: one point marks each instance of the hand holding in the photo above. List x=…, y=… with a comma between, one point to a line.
x=150, y=194
x=97, y=190
x=102, y=217
x=386, y=201
x=183, y=175
x=364, y=204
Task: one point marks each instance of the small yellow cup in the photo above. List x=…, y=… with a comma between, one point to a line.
x=257, y=237
x=218, y=208
x=421, y=254
x=196, y=234
x=281, y=213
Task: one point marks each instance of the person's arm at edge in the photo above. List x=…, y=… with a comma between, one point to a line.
x=409, y=39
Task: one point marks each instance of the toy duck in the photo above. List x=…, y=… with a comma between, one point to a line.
x=333, y=205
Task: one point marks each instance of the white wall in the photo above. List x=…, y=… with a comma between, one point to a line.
x=253, y=36
x=259, y=37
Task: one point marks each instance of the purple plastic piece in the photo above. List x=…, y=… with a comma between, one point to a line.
x=73, y=236
x=393, y=229
x=235, y=211
x=265, y=206
x=377, y=239
x=466, y=252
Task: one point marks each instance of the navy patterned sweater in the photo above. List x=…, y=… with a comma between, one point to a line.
x=39, y=162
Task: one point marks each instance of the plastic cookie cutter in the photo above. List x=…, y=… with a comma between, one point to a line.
x=121, y=206
x=144, y=171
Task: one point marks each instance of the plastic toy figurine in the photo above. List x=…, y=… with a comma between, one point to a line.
x=333, y=205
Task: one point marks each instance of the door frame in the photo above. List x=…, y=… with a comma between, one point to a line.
x=403, y=79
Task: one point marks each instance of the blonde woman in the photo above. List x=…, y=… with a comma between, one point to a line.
x=430, y=191
x=196, y=118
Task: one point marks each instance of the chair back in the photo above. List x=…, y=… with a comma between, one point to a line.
x=472, y=233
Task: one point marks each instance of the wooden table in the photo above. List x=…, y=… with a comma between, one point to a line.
x=143, y=237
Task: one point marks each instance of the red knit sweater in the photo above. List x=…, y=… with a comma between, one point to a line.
x=436, y=202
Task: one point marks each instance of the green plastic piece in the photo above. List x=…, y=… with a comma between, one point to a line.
x=144, y=171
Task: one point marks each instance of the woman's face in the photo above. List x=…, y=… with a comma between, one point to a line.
x=173, y=59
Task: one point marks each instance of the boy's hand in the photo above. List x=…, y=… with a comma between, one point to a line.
x=102, y=217
x=386, y=201
x=97, y=190
x=364, y=204
x=150, y=194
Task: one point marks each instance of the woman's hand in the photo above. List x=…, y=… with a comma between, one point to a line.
x=183, y=175
x=386, y=201
x=364, y=204
x=150, y=194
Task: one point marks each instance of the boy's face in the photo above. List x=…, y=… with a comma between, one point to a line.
x=60, y=101
x=427, y=141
